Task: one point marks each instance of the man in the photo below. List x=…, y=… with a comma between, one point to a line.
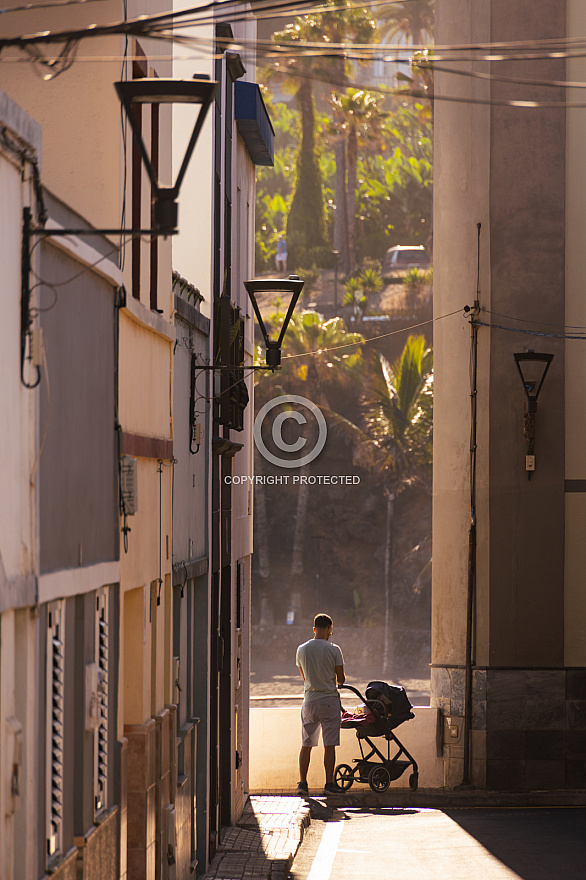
x=322, y=668
x=281, y=255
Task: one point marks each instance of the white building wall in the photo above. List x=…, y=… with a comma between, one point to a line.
x=18, y=512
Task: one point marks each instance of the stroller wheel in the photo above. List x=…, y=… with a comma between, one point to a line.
x=379, y=778
x=344, y=776
x=414, y=781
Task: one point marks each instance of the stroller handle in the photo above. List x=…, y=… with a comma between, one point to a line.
x=375, y=706
x=348, y=687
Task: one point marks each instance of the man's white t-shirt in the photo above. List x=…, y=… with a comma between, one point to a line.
x=318, y=659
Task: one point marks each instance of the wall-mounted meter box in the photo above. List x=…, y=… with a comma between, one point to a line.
x=128, y=484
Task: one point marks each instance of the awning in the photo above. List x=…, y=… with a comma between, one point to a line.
x=253, y=122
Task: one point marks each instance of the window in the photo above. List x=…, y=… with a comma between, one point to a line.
x=54, y=734
x=101, y=733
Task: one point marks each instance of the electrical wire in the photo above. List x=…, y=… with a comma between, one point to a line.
x=148, y=26
x=55, y=284
x=528, y=332
x=32, y=7
x=535, y=321
x=373, y=339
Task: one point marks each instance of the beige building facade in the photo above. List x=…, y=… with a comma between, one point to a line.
x=125, y=651
x=517, y=171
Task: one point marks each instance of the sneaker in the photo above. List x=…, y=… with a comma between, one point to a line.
x=332, y=788
x=302, y=788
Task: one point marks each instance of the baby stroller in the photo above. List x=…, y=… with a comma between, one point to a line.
x=388, y=706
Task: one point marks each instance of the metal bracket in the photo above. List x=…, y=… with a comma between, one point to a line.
x=28, y=231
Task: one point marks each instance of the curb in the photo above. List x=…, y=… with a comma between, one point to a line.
x=437, y=798
x=264, y=841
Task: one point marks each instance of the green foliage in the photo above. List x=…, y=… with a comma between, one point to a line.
x=389, y=150
x=399, y=408
x=354, y=297
x=306, y=226
x=414, y=280
x=311, y=277
x=359, y=287
x=319, y=356
x=370, y=281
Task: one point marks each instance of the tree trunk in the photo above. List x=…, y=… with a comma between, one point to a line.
x=339, y=226
x=299, y=534
x=261, y=527
x=351, y=197
x=389, y=611
x=306, y=221
x=307, y=111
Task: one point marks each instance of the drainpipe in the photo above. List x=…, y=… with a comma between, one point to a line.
x=471, y=585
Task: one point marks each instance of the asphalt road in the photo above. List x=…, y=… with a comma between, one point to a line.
x=423, y=844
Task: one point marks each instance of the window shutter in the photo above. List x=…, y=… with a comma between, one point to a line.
x=101, y=741
x=54, y=753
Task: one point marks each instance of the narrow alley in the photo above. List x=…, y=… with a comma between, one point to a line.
x=405, y=843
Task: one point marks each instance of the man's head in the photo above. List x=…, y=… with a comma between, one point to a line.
x=322, y=626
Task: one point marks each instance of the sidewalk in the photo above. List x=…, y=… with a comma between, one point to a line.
x=266, y=838
x=443, y=799
x=264, y=842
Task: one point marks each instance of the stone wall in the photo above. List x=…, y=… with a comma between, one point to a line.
x=528, y=727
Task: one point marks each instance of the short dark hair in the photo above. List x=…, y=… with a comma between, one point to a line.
x=322, y=621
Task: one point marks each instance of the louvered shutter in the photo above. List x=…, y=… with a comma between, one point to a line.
x=101, y=740
x=54, y=752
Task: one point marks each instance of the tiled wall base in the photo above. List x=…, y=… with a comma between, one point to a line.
x=67, y=869
x=528, y=727
x=97, y=854
x=153, y=833
x=141, y=800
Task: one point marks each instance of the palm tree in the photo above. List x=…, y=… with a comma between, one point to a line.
x=399, y=417
x=343, y=24
x=397, y=442
x=361, y=120
x=411, y=21
x=318, y=357
x=359, y=287
x=306, y=221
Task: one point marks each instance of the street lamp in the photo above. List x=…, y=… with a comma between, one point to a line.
x=335, y=255
x=152, y=90
x=532, y=367
x=292, y=285
x=149, y=90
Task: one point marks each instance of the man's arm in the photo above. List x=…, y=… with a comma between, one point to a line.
x=340, y=677
x=301, y=671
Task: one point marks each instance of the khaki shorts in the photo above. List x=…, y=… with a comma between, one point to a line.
x=325, y=713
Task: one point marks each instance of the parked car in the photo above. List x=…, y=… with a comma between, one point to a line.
x=405, y=257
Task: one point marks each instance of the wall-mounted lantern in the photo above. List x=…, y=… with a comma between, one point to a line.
x=532, y=367
x=291, y=285
x=150, y=90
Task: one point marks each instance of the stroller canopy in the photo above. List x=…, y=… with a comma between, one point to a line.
x=393, y=698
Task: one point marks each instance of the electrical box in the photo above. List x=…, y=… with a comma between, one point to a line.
x=128, y=485
x=529, y=462
x=453, y=727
